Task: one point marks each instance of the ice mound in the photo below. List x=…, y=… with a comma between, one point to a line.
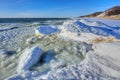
x=29, y=58
x=46, y=30
x=93, y=23
x=99, y=65
x=82, y=26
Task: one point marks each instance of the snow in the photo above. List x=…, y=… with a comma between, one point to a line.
x=113, y=23
x=108, y=49
x=88, y=30
x=91, y=23
x=29, y=58
x=101, y=15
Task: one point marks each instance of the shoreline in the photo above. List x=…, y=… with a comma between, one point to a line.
x=82, y=49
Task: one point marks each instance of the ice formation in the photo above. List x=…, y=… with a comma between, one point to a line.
x=101, y=60
x=29, y=58
x=102, y=64
x=83, y=26
x=46, y=30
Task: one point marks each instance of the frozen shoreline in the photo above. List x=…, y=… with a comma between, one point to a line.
x=79, y=41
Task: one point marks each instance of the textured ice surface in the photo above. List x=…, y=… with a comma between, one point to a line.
x=97, y=28
x=29, y=58
x=99, y=65
x=15, y=37
x=63, y=56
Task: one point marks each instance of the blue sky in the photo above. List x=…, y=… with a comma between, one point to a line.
x=53, y=8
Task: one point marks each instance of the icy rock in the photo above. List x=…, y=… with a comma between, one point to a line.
x=29, y=58
x=31, y=40
x=46, y=30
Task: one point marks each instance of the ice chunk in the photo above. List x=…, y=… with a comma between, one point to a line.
x=29, y=58
x=46, y=30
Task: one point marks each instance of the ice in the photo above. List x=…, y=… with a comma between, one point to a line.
x=85, y=49
x=79, y=27
x=29, y=58
x=96, y=65
x=46, y=30
x=56, y=65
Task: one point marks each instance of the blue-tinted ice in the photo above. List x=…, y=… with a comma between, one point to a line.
x=46, y=30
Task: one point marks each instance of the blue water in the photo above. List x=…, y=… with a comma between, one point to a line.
x=22, y=20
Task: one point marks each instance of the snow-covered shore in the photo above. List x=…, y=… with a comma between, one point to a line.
x=85, y=49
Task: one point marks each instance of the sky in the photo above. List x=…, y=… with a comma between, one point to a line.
x=52, y=8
